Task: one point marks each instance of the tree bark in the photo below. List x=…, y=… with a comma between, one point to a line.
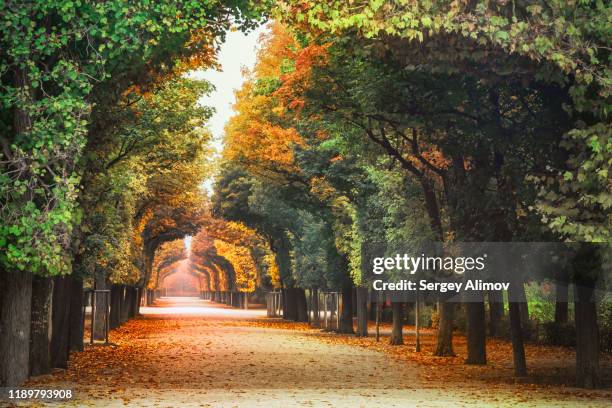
x=40, y=325
x=476, y=333
x=15, y=314
x=115, y=307
x=587, y=338
x=101, y=306
x=518, y=347
x=76, y=314
x=346, y=314
x=139, y=292
x=397, y=336
x=289, y=304
x=302, y=306
x=362, y=312
x=131, y=301
x=496, y=311
x=60, y=344
x=124, y=310
x=316, y=317
x=446, y=314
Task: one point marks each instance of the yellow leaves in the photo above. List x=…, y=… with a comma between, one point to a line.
x=269, y=261
x=276, y=45
x=242, y=262
x=253, y=139
x=256, y=136
x=321, y=188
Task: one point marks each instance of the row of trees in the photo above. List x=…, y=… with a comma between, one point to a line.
x=223, y=256
x=367, y=124
x=382, y=123
x=103, y=153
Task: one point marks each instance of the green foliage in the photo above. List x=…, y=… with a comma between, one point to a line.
x=537, y=45
x=161, y=140
x=54, y=53
x=576, y=201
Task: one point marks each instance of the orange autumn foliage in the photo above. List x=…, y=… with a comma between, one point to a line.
x=256, y=136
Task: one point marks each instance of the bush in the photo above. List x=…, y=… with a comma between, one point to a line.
x=604, y=319
x=559, y=334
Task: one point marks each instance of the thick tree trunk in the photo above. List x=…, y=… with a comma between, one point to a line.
x=15, y=314
x=518, y=348
x=76, y=314
x=40, y=325
x=362, y=312
x=101, y=306
x=115, y=307
x=289, y=304
x=346, y=314
x=397, y=337
x=561, y=309
x=16, y=287
x=316, y=317
x=587, y=338
x=60, y=344
x=496, y=311
x=446, y=315
x=476, y=333
x=139, y=292
x=124, y=310
x=131, y=301
x=302, y=306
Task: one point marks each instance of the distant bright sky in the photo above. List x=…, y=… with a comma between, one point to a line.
x=239, y=50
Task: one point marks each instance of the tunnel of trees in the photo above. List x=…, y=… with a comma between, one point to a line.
x=363, y=124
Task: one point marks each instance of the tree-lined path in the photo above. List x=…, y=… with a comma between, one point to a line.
x=359, y=133
x=187, y=352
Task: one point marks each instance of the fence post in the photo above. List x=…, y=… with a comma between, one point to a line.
x=378, y=311
x=417, y=346
x=325, y=322
x=338, y=308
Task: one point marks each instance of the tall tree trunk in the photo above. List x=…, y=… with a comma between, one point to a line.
x=496, y=311
x=561, y=296
x=101, y=306
x=518, y=347
x=316, y=317
x=16, y=287
x=115, y=307
x=139, y=292
x=302, y=306
x=60, y=346
x=346, y=314
x=289, y=304
x=587, y=338
x=397, y=337
x=131, y=301
x=15, y=314
x=362, y=312
x=40, y=325
x=124, y=311
x=446, y=315
x=76, y=314
x=476, y=333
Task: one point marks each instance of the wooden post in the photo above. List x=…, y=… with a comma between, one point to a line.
x=378, y=311
x=325, y=322
x=417, y=346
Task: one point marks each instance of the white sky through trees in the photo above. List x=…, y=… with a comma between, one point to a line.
x=238, y=51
